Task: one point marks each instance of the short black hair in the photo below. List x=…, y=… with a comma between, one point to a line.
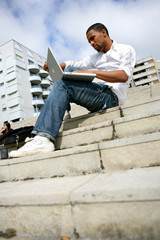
x=97, y=27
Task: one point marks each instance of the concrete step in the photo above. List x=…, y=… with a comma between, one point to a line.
x=142, y=94
x=140, y=100
x=24, y=123
x=102, y=184
x=130, y=152
x=108, y=130
x=103, y=123
x=90, y=118
x=92, y=121
x=135, y=96
x=145, y=104
x=133, y=106
x=145, y=93
x=129, y=109
x=115, y=205
x=151, y=90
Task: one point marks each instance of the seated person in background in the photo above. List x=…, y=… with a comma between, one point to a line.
x=6, y=128
x=113, y=65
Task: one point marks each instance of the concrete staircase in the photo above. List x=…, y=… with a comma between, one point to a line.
x=103, y=182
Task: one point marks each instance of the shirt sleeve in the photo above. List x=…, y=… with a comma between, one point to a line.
x=128, y=60
x=82, y=64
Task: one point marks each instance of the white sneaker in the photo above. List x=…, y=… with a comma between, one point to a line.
x=37, y=145
x=28, y=139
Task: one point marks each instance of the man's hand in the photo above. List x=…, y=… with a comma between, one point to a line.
x=45, y=67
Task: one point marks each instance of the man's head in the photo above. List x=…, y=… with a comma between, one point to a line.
x=98, y=37
x=97, y=27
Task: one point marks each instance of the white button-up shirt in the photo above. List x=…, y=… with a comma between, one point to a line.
x=119, y=57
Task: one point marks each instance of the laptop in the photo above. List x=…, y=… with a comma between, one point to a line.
x=57, y=73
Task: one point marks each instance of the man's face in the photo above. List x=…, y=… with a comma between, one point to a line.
x=97, y=40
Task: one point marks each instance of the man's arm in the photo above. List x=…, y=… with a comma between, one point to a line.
x=63, y=65
x=45, y=67
x=109, y=76
x=124, y=71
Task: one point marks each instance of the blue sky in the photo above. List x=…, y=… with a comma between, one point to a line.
x=62, y=25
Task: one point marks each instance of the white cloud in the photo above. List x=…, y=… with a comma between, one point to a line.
x=62, y=24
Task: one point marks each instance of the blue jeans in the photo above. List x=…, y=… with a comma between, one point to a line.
x=95, y=97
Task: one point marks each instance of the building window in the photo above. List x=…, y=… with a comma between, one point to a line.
x=19, y=58
x=3, y=96
x=34, y=74
x=30, y=62
x=15, y=120
x=1, y=84
x=40, y=66
x=4, y=109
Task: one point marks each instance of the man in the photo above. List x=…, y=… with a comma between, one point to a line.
x=113, y=65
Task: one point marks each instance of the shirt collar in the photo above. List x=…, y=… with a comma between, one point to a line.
x=112, y=49
x=114, y=46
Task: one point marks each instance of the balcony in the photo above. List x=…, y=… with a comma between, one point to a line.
x=146, y=81
x=37, y=102
x=147, y=59
x=43, y=73
x=144, y=74
x=145, y=66
x=33, y=68
x=36, y=90
x=45, y=93
x=45, y=83
x=35, y=79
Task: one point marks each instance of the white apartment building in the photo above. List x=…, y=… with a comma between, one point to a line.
x=146, y=71
x=24, y=85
